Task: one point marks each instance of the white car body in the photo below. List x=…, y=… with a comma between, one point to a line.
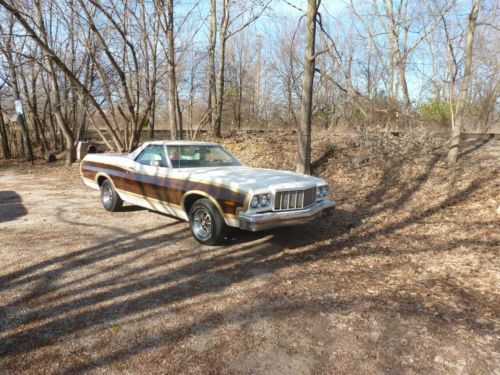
x=230, y=188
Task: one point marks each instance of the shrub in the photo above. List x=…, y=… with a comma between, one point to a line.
x=436, y=110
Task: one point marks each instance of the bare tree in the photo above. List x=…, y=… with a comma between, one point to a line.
x=150, y=34
x=464, y=86
x=287, y=69
x=211, y=60
x=116, y=67
x=7, y=50
x=304, y=147
x=173, y=98
x=236, y=76
x=64, y=68
x=56, y=95
x=166, y=12
x=224, y=35
x=3, y=133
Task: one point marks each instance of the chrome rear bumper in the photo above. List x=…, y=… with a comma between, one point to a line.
x=255, y=221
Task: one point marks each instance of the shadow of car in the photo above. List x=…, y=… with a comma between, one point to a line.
x=11, y=206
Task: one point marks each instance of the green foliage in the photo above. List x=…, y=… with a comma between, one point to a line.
x=436, y=110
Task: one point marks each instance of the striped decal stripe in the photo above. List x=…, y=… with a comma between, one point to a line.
x=168, y=190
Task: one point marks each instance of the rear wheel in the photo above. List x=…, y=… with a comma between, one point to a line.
x=110, y=199
x=206, y=223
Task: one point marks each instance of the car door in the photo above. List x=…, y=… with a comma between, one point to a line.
x=151, y=170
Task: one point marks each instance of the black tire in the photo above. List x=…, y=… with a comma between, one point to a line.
x=110, y=199
x=206, y=223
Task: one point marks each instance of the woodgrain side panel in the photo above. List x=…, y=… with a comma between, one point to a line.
x=168, y=190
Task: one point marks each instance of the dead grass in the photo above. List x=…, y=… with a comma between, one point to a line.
x=402, y=279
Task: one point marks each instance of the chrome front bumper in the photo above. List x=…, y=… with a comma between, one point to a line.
x=261, y=221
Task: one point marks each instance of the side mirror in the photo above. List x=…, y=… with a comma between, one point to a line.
x=155, y=163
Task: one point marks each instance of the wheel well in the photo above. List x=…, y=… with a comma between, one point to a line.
x=101, y=179
x=190, y=199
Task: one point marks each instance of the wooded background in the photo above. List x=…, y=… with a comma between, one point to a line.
x=124, y=68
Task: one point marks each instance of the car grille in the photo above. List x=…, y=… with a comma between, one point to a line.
x=294, y=199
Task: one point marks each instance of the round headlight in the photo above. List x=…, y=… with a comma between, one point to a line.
x=318, y=192
x=255, y=201
x=324, y=190
x=264, y=200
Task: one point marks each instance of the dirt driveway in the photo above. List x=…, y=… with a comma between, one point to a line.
x=391, y=283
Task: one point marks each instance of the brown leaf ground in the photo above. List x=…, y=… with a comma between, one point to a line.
x=403, y=278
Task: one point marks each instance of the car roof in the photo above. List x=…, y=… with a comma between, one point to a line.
x=182, y=143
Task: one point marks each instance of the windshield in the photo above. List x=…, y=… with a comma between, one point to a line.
x=200, y=156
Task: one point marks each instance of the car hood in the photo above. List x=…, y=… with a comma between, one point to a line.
x=250, y=179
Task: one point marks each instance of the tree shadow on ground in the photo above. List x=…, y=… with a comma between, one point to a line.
x=474, y=145
x=60, y=308
x=11, y=206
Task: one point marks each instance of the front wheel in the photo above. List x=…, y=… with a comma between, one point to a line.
x=110, y=199
x=206, y=223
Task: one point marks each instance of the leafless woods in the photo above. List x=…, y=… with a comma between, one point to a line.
x=121, y=69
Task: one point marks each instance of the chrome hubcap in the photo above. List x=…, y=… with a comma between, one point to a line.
x=202, y=223
x=107, y=196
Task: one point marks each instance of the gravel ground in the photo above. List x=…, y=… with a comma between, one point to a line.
x=402, y=279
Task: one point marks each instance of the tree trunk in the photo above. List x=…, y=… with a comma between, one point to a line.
x=258, y=68
x=34, y=102
x=464, y=87
x=238, y=105
x=56, y=95
x=211, y=60
x=291, y=118
x=217, y=119
x=304, y=150
x=151, y=124
x=26, y=142
x=396, y=53
x=4, y=136
x=402, y=81
x=179, y=114
x=32, y=109
x=172, y=84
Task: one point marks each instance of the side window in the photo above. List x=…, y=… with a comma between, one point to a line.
x=153, y=155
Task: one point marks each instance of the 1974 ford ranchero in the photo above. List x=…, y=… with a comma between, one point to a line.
x=204, y=184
